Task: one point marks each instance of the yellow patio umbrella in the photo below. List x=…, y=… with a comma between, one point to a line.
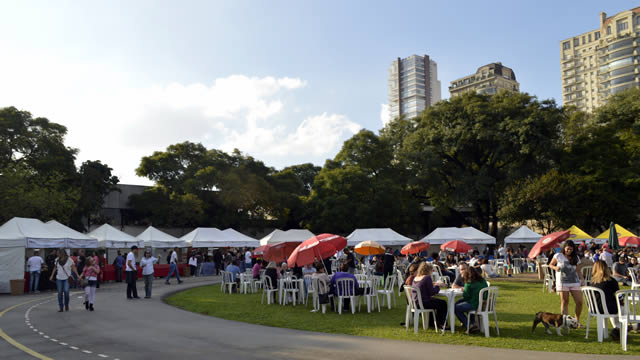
x=619, y=229
x=369, y=248
x=576, y=234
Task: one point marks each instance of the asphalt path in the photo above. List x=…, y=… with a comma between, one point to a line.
x=150, y=329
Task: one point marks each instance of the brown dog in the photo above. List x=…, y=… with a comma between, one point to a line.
x=557, y=320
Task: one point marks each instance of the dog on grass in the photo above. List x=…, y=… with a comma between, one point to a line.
x=556, y=320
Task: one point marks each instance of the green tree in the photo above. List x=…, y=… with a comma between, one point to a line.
x=361, y=187
x=594, y=179
x=96, y=182
x=467, y=150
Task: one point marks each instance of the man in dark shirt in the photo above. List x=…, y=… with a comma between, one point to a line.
x=620, y=272
x=351, y=261
x=119, y=264
x=388, y=261
x=458, y=282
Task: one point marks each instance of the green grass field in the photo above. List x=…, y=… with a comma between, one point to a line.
x=517, y=304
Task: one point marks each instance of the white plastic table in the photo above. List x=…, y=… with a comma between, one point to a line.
x=451, y=295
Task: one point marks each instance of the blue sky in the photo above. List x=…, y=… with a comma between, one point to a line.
x=285, y=81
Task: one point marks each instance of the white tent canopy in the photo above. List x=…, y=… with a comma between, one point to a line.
x=112, y=238
x=213, y=237
x=293, y=235
x=240, y=239
x=522, y=235
x=383, y=236
x=30, y=233
x=12, y=243
x=155, y=238
x=75, y=239
x=470, y=235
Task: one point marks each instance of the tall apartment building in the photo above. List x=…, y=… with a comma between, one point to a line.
x=601, y=62
x=413, y=86
x=488, y=79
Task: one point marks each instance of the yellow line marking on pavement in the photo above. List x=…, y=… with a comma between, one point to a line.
x=10, y=340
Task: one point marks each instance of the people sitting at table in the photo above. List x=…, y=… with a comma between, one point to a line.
x=443, y=269
x=273, y=274
x=450, y=261
x=620, y=272
x=473, y=283
x=601, y=278
x=378, y=266
x=344, y=274
x=458, y=283
x=256, y=269
x=235, y=270
x=411, y=273
x=487, y=269
x=428, y=289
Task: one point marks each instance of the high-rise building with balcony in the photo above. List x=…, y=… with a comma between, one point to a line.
x=601, y=62
x=413, y=86
x=488, y=79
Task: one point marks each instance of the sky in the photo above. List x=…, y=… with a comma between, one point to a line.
x=286, y=82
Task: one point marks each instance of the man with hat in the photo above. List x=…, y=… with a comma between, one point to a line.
x=132, y=272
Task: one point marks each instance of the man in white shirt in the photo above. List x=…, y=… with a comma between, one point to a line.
x=502, y=252
x=34, y=264
x=247, y=259
x=132, y=273
x=606, y=257
x=173, y=266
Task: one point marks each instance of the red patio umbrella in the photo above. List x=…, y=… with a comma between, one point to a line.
x=548, y=242
x=279, y=252
x=414, y=247
x=458, y=246
x=632, y=241
x=259, y=251
x=318, y=247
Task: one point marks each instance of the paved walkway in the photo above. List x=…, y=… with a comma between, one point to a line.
x=150, y=329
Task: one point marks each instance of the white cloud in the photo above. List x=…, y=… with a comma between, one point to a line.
x=112, y=118
x=385, y=115
x=317, y=136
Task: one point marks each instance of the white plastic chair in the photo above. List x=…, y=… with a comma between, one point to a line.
x=594, y=296
x=400, y=281
x=291, y=287
x=246, y=283
x=228, y=282
x=633, y=273
x=586, y=274
x=486, y=305
x=370, y=295
x=388, y=292
x=549, y=278
x=415, y=307
x=345, y=289
x=628, y=312
x=311, y=289
x=268, y=289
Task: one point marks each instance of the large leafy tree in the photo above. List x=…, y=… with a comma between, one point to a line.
x=96, y=182
x=467, y=150
x=37, y=172
x=361, y=187
x=595, y=176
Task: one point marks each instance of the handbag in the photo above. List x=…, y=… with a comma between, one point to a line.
x=323, y=298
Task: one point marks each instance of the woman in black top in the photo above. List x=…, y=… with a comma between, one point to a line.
x=601, y=278
x=272, y=273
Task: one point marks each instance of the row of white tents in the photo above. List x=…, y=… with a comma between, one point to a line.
x=20, y=233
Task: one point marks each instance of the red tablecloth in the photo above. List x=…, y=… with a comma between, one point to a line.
x=158, y=271
x=109, y=273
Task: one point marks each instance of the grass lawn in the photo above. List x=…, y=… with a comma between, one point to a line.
x=517, y=304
